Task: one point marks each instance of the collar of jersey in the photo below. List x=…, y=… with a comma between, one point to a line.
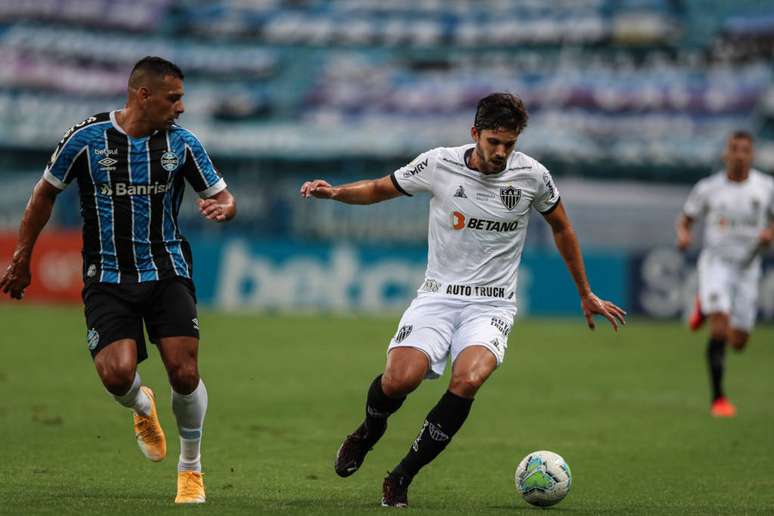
x=121, y=129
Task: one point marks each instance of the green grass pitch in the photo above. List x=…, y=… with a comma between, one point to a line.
x=628, y=411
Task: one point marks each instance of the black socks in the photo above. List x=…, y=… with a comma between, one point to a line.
x=716, y=356
x=441, y=424
x=379, y=406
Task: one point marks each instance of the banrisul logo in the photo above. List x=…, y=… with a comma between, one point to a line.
x=122, y=189
x=169, y=161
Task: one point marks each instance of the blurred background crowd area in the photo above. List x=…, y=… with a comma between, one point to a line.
x=630, y=100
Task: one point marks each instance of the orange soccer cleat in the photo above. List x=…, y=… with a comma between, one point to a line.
x=148, y=431
x=721, y=407
x=697, y=317
x=190, y=487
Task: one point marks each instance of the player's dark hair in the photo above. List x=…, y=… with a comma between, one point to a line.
x=501, y=111
x=152, y=66
x=741, y=134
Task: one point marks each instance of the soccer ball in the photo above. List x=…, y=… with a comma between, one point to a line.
x=543, y=478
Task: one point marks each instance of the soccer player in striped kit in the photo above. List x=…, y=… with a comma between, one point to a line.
x=481, y=197
x=131, y=166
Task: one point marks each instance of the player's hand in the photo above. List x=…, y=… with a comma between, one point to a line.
x=211, y=209
x=16, y=278
x=319, y=188
x=766, y=236
x=592, y=305
x=683, y=239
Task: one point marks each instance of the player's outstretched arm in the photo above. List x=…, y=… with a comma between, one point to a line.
x=567, y=244
x=683, y=230
x=17, y=275
x=368, y=191
x=221, y=207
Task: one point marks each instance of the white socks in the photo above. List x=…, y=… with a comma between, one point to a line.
x=135, y=398
x=189, y=411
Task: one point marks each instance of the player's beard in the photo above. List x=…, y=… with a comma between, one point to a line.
x=495, y=167
x=739, y=169
x=487, y=165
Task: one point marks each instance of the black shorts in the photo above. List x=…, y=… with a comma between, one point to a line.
x=115, y=312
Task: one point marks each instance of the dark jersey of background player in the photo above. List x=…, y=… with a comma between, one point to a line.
x=131, y=166
x=130, y=194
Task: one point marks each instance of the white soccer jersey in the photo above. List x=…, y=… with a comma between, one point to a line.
x=735, y=213
x=478, y=222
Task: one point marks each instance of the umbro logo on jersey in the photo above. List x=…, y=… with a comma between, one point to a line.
x=510, y=196
x=459, y=222
x=107, y=162
x=460, y=193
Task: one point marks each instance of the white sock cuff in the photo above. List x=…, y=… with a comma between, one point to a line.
x=130, y=395
x=193, y=394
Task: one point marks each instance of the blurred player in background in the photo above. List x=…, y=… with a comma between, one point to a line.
x=481, y=197
x=131, y=166
x=738, y=208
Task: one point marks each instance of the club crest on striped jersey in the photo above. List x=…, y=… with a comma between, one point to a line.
x=169, y=161
x=510, y=196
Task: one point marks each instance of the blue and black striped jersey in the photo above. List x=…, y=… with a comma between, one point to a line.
x=130, y=194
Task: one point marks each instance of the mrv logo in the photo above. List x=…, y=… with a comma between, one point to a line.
x=121, y=189
x=416, y=170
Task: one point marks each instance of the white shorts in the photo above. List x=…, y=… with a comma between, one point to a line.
x=441, y=327
x=725, y=287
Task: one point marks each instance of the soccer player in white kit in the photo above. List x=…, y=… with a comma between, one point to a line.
x=738, y=209
x=481, y=196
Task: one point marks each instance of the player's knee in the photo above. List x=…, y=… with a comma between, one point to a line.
x=467, y=384
x=184, y=377
x=719, y=331
x=396, y=384
x=117, y=376
x=738, y=342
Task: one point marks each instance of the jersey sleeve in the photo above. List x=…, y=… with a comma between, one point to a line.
x=696, y=204
x=199, y=170
x=60, y=171
x=417, y=176
x=547, y=197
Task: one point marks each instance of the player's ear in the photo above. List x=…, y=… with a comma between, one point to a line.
x=143, y=94
x=474, y=133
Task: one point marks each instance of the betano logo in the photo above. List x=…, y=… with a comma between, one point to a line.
x=122, y=189
x=458, y=223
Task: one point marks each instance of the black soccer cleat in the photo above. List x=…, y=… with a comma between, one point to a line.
x=395, y=490
x=353, y=450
